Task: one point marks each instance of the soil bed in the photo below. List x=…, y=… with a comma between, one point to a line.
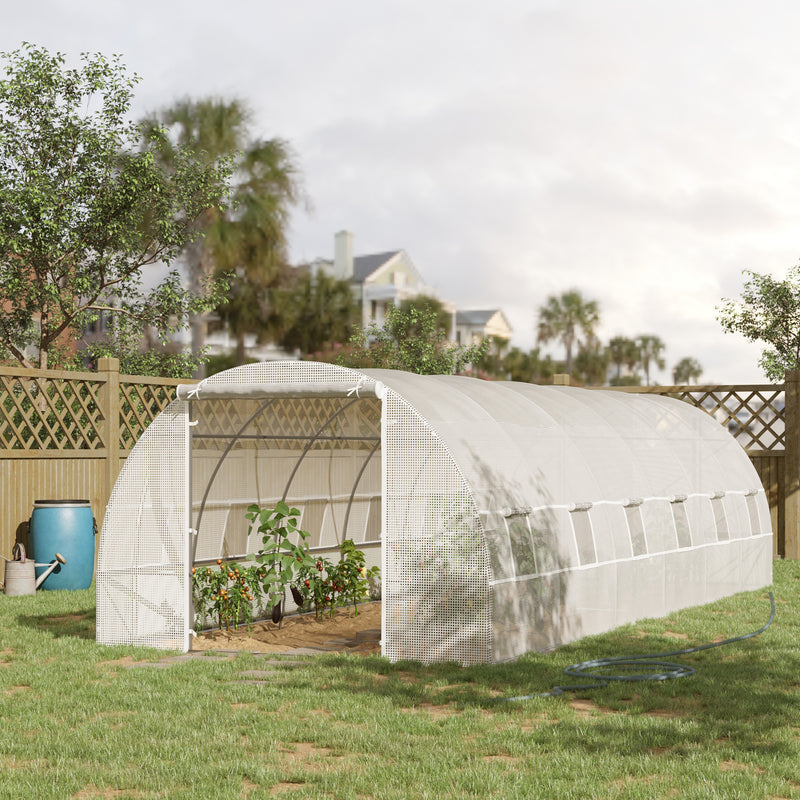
x=344, y=631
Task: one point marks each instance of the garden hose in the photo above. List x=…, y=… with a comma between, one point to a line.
x=658, y=670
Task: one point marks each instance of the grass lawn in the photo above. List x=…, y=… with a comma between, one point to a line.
x=78, y=722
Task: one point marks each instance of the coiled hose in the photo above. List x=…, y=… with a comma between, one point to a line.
x=659, y=670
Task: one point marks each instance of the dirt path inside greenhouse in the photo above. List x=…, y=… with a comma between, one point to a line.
x=345, y=631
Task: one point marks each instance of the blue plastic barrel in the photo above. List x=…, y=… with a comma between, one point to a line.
x=66, y=527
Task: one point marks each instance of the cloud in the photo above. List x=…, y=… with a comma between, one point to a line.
x=645, y=153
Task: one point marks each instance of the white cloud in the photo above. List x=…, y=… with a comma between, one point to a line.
x=645, y=153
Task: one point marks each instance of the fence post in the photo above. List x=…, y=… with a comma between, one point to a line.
x=792, y=464
x=109, y=400
x=561, y=379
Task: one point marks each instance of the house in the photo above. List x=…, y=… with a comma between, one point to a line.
x=377, y=280
x=472, y=327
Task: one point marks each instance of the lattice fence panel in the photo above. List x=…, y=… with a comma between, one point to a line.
x=754, y=415
x=140, y=404
x=290, y=424
x=43, y=413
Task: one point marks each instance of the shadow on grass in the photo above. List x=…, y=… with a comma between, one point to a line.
x=747, y=693
x=79, y=624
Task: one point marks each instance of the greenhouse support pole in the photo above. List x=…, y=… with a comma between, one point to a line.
x=792, y=464
x=188, y=550
x=381, y=393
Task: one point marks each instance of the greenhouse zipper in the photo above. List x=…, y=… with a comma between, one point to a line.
x=666, y=669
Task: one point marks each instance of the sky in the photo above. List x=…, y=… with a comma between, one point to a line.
x=642, y=152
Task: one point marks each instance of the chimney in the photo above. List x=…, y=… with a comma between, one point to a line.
x=343, y=255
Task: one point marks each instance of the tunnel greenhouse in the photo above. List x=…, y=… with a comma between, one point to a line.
x=505, y=517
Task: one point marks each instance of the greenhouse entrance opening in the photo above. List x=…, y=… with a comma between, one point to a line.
x=319, y=454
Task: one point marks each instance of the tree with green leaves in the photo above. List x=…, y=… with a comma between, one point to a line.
x=85, y=205
x=491, y=363
x=314, y=312
x=623, y=352
x=686, y=371
x=427, y=352
x=569, y=319
x=768, y=312
x=428, y=304
x=248, y=240
x=528, y=367
x=650, y=349
x=591, y=363
x=213, y=130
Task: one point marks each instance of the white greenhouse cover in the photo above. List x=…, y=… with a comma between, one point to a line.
x=511, y=517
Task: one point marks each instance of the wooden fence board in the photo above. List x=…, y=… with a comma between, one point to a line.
x=116, y=407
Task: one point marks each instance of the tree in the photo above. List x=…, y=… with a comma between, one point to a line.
x=650, y=349
x=85, y=205
x=491, y=362
x=426, y=303
x=569, y=319
x=390, y=347
x=214, y=130
x=315, y=311
x=247, y=239
x=768, y=312
x=591, y=363
x=623, y=352
x=686, y=371
x=528, y=367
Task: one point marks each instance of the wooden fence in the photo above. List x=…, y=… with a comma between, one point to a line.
x=65, y=435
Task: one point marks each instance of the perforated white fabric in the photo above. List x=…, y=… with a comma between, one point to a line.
x=142, y=577
x=507, y=517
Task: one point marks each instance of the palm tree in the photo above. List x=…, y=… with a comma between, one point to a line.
x=650, y=349
x=591, y=363
x=686, y=371
x=249, y=243
x=568, y=319
x=623, y=352
x=249, y=239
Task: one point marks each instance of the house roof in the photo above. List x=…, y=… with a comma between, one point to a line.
x=475, y=316
x=364, y=266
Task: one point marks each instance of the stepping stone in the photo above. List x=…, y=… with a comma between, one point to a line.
x=261, y=674
x=277, y=662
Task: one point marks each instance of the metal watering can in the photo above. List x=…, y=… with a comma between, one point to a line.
x=21, y=573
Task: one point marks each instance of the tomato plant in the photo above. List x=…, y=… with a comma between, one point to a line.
x=327, y=584
x=229, y=592
x=232, y=593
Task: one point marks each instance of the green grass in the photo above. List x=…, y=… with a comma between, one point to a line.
x=76, y=722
